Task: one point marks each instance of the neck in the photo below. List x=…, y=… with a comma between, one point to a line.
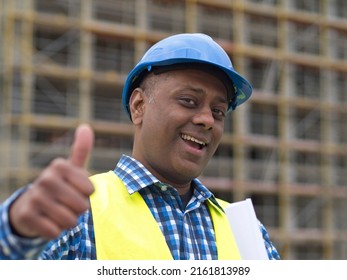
x=185, y=197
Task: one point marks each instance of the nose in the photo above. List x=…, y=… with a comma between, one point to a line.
x=204, y=117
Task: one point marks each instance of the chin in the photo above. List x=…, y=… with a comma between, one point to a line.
x=191, y=172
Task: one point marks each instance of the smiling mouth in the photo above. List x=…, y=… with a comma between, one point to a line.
x=198, y=143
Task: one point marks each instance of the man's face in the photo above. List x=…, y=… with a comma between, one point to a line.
x=179, y=124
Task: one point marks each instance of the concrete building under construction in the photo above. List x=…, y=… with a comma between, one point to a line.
x=63, y=62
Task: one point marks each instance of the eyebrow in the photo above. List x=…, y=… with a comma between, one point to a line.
x=220, y=98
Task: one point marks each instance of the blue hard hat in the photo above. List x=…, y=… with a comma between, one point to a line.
x=188, y=49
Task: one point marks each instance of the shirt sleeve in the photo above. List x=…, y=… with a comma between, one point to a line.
x=270, y=248
x=77, y=243
x=13, y=247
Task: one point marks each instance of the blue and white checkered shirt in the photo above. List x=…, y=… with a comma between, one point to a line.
x=188, y=231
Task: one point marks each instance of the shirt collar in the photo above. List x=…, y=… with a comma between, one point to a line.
x=136, y=176
x=133, y=174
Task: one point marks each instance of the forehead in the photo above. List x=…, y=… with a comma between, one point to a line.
x=186, y=76
x=201, y=82
x=213, y=70
x=190, y=76
x=206, y=68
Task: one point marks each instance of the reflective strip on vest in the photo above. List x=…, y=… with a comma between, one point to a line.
x=125, y=228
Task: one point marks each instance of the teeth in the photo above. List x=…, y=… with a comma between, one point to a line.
x=191, y=138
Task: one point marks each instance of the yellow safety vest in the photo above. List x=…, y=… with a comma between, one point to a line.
x=125, y=228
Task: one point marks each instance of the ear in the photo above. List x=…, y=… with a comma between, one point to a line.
x=136, y=105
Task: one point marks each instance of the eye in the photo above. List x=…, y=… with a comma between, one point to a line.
x=219, y=113
x=188, y=101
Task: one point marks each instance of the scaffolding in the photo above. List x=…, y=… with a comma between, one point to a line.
x=63, y=62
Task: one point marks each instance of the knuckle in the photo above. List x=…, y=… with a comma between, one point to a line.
x=80, y=206
x=58, y=163
x=44, y=179
x=71, y=222
x=26, y=216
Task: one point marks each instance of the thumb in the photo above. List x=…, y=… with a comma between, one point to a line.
x=82, y=145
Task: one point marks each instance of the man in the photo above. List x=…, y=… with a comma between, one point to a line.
x=152, y=206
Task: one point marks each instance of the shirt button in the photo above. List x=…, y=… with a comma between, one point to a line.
x=164, y=188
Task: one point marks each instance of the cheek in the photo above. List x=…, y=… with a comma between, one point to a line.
x=217, y=135
x=157, y=128
x=163, y=115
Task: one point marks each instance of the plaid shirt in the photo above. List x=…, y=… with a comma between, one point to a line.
x=188, y=231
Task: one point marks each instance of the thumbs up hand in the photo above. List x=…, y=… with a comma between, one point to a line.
x=59, y=194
